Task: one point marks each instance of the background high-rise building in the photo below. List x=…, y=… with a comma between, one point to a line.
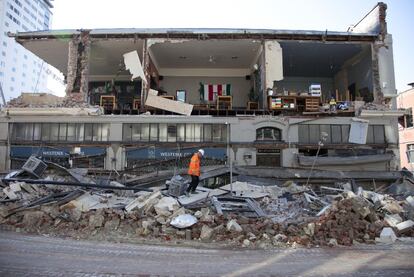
x=20, y=70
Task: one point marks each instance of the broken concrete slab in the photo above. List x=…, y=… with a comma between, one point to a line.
x=10, y=193
x=392, y=219
x=139, y=203
x=133, y=64
x=202, y=193
x=232, y=225
x=15, y=187
x=410, y=200
x=96, y=220
x=155, y=101
x=245, y=190
x=405, y=225
x=206, y=233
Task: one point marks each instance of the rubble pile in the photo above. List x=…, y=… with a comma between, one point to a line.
x=45, y=100
x=243, y=214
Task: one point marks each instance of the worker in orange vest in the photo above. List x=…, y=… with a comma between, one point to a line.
x=194, y=171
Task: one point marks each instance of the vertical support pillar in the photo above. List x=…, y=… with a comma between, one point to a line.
x=145, y=86
x=78, y=68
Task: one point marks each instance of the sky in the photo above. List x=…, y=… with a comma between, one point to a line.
x=333, y=15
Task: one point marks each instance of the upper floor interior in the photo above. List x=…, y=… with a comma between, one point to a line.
x=224, y=71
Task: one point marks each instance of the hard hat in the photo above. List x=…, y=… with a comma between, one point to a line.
x=201, y=151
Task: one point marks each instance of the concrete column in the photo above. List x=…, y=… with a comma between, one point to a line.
x=78, y=67
x=115, y=157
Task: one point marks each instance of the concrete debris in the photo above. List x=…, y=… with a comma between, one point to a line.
x=206, y=233
x=286, y=215
x=410, y=200
x=387, y=236
x=392, y=219
x=155, y=101
x=232, y=225
x=404, y=226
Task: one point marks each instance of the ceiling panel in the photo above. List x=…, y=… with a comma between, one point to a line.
x=304, y=59
x=206, y=53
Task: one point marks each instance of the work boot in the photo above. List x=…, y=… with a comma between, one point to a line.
x=194, y=192
x=187, y=194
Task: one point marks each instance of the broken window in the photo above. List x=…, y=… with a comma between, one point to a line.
x=268, y=133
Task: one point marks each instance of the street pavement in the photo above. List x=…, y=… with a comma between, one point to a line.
x=34, y=255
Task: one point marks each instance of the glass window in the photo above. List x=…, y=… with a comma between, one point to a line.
x=105, y=132
x=37, y=129
x=304, y=133
x=154, y=132
x=80, y=132
x=45, y=131
x=136, y=132
x=268, y=133
x=145, y=132
x=172, y=132
x=336, y=132
x=22, y=131
x=410, y=153
x=54, y=131
x=62, y=131
x=180, y=132
x=219, y=132
x=88, y=131
x=180, y=95
x=162, y=132
x=194, y=132
x=127, y=132
x=345, y=133
x=97, y=132
x=71, y=132
x=207, y=132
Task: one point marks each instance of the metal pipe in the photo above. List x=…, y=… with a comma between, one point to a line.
x=72, y=184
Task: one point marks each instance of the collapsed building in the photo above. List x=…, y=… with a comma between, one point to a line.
x=274, y=108
x=274, y=98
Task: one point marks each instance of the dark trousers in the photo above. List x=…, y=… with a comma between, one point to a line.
x=194, y=183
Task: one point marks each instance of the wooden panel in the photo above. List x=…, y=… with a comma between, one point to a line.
x=224, y=102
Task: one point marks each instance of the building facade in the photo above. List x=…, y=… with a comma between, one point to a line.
x=405, y=100
x=271, y=98
x=20, y=69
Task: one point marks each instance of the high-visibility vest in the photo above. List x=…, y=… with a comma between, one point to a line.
x=194, y=167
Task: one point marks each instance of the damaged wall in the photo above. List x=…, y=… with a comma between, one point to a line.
x=78, y=65
x=273, y=62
